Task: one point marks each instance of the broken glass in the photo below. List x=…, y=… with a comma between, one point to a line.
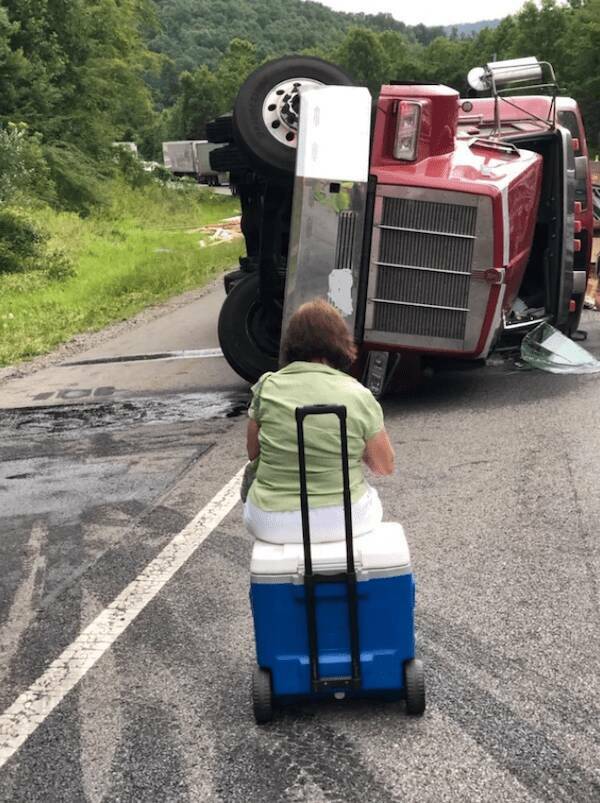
x=549, y=350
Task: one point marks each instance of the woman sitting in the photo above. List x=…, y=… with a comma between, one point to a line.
x=317, y=351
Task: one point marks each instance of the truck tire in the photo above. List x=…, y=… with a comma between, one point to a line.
x=220, y=131
x=227, y=158
x=265, y=114
x=243, y=337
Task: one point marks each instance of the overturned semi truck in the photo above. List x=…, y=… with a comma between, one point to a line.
x=435, y=224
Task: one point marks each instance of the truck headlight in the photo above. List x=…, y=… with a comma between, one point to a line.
x=407, y=131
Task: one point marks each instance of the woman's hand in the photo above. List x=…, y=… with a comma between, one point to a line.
x=252, y=442
x=379, y=454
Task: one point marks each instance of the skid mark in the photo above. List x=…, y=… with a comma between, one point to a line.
x=28, y=712
x=523, y=750
x=22, y=610
x=467, y=650
x=300, y=757
x=100, y=716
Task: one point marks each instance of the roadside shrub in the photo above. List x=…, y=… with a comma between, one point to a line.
x=58, y=266
x=24, y=249
x=131, y=168
x=21, y=242
x=79, y=180
x=24, y=173
x=161, y=174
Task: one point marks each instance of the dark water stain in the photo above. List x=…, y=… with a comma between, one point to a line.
x=116, y=414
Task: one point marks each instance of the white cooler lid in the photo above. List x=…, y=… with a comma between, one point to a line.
x=383, y=551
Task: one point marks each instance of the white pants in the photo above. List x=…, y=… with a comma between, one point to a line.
x=326, y=523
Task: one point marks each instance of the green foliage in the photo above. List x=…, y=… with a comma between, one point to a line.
x=141, y=247
x=76, y=75
x=363, y=56
x=58, y=266
x=23, y=169
x=207, y=93
x=195, y=32
x=73, y=72
x=21, y=242
x=131, y=168
x=79, y=178
x=24, y=248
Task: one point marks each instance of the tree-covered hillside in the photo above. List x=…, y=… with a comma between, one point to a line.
x=471, y=28
x=198, y=32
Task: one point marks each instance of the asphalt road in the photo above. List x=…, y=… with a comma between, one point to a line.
x=104, y=463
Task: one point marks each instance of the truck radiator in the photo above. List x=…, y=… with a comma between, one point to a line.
x=424, y=264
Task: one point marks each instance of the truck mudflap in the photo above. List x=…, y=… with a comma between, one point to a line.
x=330, y=200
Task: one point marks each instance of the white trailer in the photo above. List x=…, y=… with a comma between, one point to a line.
x=191, y=158
x=179, y=157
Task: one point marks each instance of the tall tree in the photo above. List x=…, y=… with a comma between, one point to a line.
x=80, y=68
x=363, y=56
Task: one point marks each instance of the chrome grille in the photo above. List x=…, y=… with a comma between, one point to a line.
x=345, y=240
x=423, y=268
x=423, y=287
x=401, y=247
x=420, y=321
x=429, y=216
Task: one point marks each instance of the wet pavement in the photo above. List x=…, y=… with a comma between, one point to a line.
x=497, y=487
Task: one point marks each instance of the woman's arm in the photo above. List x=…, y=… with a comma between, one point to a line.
x=379, y=454
x=252, y=442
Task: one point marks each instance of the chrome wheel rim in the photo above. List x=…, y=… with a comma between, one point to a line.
x=281, y=109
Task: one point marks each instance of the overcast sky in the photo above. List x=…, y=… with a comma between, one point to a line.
x=430, y=12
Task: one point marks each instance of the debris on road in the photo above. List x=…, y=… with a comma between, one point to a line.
x=224, y=231
x=549, y=350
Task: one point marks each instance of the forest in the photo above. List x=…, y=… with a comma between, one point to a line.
x=374, y=51
x=75, y=75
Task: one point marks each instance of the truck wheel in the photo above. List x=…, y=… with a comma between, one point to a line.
x=262, y=697
x=243, y=334
x=227, y=158
x=220, y=130
x=414, y=687
x=265, y=115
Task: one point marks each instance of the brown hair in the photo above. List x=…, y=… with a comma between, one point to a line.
x=317, y=331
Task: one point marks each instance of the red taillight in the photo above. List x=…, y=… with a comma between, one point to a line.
x=407, y=131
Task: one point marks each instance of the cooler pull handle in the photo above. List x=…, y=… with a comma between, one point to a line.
x=309, y=579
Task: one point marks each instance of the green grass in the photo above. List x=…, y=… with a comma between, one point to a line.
x=141, y=249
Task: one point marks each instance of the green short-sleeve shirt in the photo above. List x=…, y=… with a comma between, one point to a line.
x=274, y=400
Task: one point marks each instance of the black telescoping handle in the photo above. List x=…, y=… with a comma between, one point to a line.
x=340, y=411
x=309, y=578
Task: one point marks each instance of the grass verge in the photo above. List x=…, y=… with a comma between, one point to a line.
x=140, y=249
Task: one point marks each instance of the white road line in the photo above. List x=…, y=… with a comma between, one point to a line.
x=29, y=710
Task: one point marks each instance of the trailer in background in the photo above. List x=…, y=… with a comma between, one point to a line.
x=191, y=158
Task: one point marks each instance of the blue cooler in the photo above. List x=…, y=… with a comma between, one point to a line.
x=334, y=619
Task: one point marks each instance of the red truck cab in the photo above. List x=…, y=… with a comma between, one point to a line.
x=460, y=220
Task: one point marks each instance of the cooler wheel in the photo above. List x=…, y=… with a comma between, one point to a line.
x=414, y=685
x=262, y=697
